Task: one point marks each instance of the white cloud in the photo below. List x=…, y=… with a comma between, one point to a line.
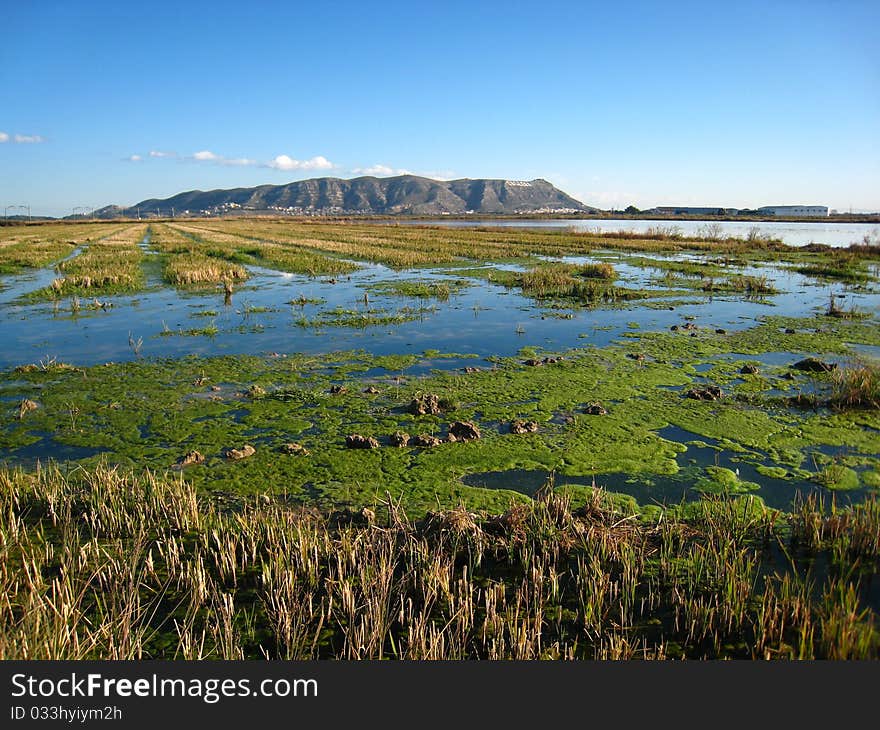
x=4, y=137
x=284, y=162
x=281, y=162
x=237, y=162
x=28, y=138
x=379, y=171
x=438, y=175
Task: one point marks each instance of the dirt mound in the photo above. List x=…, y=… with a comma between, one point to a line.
x=518, y=426
x=464, y=431
x=710, y=392
x=814, y=365
x=295, y=449
x=244, y=452
x=356, y=441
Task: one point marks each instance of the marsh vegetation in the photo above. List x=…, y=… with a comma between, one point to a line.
x=646, y=446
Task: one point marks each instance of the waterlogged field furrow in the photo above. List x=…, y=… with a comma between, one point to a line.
x=309, y=241
x=402, y=246
x=187, y=261
x=24, y=248
x=107, y=265
x=268, y=254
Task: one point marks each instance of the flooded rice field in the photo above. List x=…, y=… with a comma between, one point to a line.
x=661, y=372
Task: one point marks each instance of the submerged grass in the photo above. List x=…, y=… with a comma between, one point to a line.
x=420, y=289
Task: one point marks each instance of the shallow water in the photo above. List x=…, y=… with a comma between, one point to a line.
x=668, y=490
x=793, y=234
x=484, y=319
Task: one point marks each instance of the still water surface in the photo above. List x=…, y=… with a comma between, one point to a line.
x=793, y=234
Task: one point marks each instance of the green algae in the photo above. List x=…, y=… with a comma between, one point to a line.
x=774, y=472
x=837, y=476
x=719, y=480
x=210, y=330
x=149, y=412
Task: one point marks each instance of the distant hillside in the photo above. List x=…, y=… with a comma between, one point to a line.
x=402, y=195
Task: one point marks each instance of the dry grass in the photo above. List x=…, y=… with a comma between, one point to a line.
x=103, y=564
x=856, y=385
x=191, y=268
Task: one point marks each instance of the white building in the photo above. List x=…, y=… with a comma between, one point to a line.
x=796, y=211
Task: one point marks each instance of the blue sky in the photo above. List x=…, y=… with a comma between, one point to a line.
x=741, y=104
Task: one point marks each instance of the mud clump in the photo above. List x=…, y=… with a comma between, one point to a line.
x=26, y=406
x=709, y=393
x=596, y=409
x=519, y=426
x=425, y=440
x=356, y=441
x=244, y=452
x=189, y=458
x=294, y=449
x=814, y=365
x=534, y=362
x=256, y=391
x=749, y=369
x=464, y=431
x=427, y=404
x=399, y=439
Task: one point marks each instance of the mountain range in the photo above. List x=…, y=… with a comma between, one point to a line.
x=401, y=195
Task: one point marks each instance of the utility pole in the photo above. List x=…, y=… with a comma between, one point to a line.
x=6, y=212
